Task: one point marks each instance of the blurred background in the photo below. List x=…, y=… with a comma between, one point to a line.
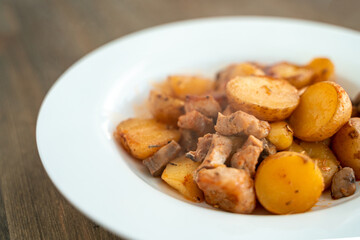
x=40, y=39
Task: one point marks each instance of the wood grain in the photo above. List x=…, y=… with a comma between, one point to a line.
x=39, y=40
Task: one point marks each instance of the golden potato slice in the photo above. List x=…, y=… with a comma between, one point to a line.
x=324, y=69
x=165, y=108
x=189, y=85
x=294, y=147
x=288, y=182
x=324, y=158
x=281, y=135
x=324, y=108
x=179, y=175
x=346, y=145
x=265, y=98
x=143, y=137
x=298, y=76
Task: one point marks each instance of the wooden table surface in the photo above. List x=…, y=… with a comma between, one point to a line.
x=40, y=39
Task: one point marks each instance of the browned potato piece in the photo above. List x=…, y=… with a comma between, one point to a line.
x=165, y=108
x=143, y=137
x=189, y=85
x=179, y=175
x=265, y=98
x=296, y=75
x=324, y=158
x=324, y=108
x=346, y=145
x=294, y=147
x=324, y=69
x=236, y=70
x=288, y=182
x=281, y=135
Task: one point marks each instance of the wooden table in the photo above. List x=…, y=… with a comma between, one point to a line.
x=40, y=39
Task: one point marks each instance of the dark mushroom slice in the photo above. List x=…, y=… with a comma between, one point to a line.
x=343, y=183
x=202, y=149
x=206, y=105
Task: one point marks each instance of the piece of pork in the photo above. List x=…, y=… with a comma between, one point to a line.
x=197, y=122
x=188, y=139
x=227, y=111
x=247, y=156
x=219, y=151
x=202, y=149
x=157, y=163
x=343, y=183
x=206, y=105
x=241, y=122
x=228, y=188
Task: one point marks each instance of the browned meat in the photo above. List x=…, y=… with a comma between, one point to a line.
x=241, y=122
x=232, y=71
x=202, y=149
x=228, y=188
x=220, y=97
x=157, y=163
x=188, y=139
x=219, y=151
x=343, y=183
x=227, y=111
x=197, y=122
x=247, y=156
x=206, y=105
x=269, y=149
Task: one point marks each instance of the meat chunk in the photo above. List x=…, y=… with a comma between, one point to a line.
x=220, y=97
x=343, y=183
x=218, y=153
x=247, y=156
x=227, y=111
x=268, y=149
x=197, y=122
x=157, y=163
x=241, y=122
x=188, y=139
x=228, y=188
x=202, y=149
x=206, y=105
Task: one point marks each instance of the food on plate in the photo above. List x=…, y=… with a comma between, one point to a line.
x=343, y=183
x=256, y=133
x=288, y=182
x=346, y=145
x=144, y=137
x=179, y=174
x=281, y=135
x=264, y=97
x=324, y=108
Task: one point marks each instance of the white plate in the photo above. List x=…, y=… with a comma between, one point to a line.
x=80, y=112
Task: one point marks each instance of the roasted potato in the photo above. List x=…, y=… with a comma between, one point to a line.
x=346, y=145
x=143, y=137
x=324, y=69
x=324, y=158
x=298, y=76
x=189, y=85
x=324, y=108
x=236, y=70
x=179, y=175
x=294, y=147
x=281, y=135
x=165, y=108
x=288, y=182
x=264, y=97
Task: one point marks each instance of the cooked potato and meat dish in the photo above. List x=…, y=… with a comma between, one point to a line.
x=276, y=135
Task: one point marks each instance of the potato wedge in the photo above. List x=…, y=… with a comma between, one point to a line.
x=165, y=108
x=236, y=70
x=324, y=108
x=179, y=175
x=324, y=158
x=265, y=98
x=288, y=182
x=324, y=69
x=346, y=145
x=143, y=137
x=281, y=135
x=189, y=85
x=298, y=76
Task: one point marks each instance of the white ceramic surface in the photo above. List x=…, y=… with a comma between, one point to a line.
x=80, y=112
